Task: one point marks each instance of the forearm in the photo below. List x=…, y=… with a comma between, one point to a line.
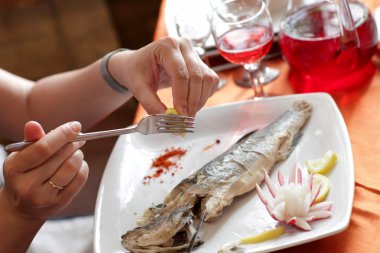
x=16, y=232
x=79, y=95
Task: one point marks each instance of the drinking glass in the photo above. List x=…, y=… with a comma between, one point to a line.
x=243, y=34
x=194, y=23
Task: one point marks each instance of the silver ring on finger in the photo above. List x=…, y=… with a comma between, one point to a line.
x=55, y=186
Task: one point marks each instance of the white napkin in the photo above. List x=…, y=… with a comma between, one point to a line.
x=72, y=235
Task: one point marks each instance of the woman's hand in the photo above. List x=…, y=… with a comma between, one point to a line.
x=42, y=179
x=163, y=63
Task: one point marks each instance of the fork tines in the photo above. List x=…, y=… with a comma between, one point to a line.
x=175, y=124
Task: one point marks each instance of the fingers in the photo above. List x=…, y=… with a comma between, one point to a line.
x=151, y=102
x=203, y=81
x=201, y=89
x=210, y=84
x=168, y=55
x=75, y=185
x=189, y=105
x=44, y=200
x=192, y=80
x=68, y=170
x=69, y=158
x=53, y=198
x=60, y=198
x=45, y=147
x=33, y=131
x=173, y=62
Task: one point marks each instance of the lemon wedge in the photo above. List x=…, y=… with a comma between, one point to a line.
x=322, y=165
x=173, y=111
x=263, y=236
x=323, y=181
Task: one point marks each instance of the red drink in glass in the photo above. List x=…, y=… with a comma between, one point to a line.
x=311, y=42
x=246, y=45
x=243, y=33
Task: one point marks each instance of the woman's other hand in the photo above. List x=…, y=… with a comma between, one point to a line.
x=42, y=179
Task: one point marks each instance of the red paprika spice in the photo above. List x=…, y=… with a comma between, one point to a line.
x=167, y=162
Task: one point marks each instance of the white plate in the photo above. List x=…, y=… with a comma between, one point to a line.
x=122, y=197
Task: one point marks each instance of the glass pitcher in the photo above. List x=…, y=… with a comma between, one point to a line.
x=328, y=44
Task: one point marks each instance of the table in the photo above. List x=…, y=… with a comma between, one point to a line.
x=361, y=113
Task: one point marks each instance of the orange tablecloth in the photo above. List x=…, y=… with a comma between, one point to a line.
x=361, y=112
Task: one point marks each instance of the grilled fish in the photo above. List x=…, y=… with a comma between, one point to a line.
x=169, y=226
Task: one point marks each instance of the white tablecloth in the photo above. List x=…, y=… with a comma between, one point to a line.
x=73, y=235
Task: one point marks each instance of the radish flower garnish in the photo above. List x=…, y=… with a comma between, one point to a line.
x=294, y=202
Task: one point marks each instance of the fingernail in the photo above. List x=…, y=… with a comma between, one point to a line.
x=75, y=126
x=81, y=143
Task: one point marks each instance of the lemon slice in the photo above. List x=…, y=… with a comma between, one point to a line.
x=323, y=181
x=173, y=111
x=322, y=165
x=263, y=236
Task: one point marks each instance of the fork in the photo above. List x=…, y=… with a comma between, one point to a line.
x=152, y=124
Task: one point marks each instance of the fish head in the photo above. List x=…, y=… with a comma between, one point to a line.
x=170, y=232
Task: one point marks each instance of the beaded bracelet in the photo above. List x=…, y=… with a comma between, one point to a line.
x=107, y=77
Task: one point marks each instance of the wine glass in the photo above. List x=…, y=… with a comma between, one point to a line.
x=243, y=34
x=267, y=74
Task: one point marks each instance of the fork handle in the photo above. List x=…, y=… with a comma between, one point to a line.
x=80, y=137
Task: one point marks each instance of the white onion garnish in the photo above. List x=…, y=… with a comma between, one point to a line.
x=294, y=202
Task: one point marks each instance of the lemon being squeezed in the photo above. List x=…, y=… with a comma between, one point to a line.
x=173, y=111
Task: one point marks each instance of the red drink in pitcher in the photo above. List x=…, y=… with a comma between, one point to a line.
x=311, y=42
